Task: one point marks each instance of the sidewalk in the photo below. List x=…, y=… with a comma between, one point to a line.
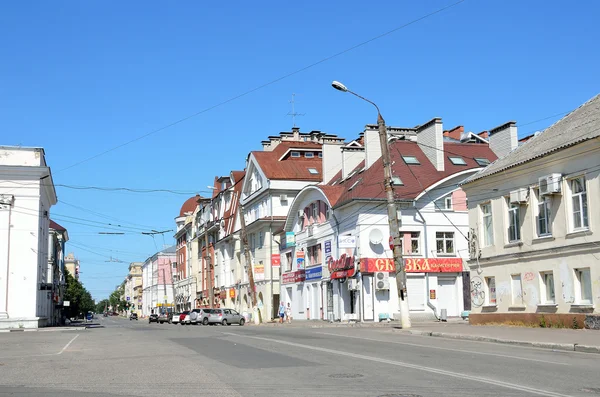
x=580, y=340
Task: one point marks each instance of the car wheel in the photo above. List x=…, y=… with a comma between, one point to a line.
x=242, y=322
x=182, y=323
x=205, y=321
x=224, y=322
x=162, y=322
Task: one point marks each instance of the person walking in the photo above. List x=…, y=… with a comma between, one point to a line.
x=281, y=312
x=288, y=313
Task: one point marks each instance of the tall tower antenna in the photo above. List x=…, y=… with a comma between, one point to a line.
x=293, y=113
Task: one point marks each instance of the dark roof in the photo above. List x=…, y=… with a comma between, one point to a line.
x=56, y=226
x=580, y=125
x=368, y=184
x=189, y=205
x=289, y=168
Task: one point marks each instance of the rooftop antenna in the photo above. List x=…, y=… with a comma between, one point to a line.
x=293, y=112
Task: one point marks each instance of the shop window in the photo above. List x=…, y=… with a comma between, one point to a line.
x=490, y=284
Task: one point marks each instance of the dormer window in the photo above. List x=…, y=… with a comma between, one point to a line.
x=396, y=181
x=320, y=155
x=457, y=160
x=482, y=161
x=295, y=154
x=411, y=160
x=313, y=171
x=309, y=155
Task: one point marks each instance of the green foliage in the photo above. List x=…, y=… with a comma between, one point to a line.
x=543, y=322
x=102, y=306
x=80, y=299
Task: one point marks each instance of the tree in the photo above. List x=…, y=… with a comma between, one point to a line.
x=79, y=298
x=102, y=306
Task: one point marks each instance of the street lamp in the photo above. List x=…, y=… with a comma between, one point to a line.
x=391, y=208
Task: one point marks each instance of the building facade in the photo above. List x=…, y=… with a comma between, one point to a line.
x=55, y=273
x=185, y=274
x=535, y=249
x=157, y=281
x=133, y=290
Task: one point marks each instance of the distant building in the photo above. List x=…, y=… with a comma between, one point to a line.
x=55, y=275
x=133, y=287
x=72, y=265
x=157, y=281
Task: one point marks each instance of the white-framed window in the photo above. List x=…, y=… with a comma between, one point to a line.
x=482, y=161
x=315, y=212
x=444, y=242
x=444, y=203
x=548, y=288
x=517, y=289
x=579, y=205
x=327, y=212
x=543, y=218
x=488, y=226
x=514, y=225
x=411, y=160
x=584, y=286
x=295, y=154
x=320, y=155
x=309, y=155
x=261, y=239
x=288, y=261
x=415, y=237
x=456, y=160
x=314, y=255
x=490, y=286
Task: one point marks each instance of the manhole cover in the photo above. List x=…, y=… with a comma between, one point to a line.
x=345, y=376
x=400, y=395
x=595, y=390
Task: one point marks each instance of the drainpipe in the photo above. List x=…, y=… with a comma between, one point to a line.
x=429, y=304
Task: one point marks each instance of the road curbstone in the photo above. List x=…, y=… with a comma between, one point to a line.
x=587, y=349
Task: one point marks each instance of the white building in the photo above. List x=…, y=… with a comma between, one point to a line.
x=157, y=281
x=55, y=274
x=534, y=220
x=340, y=231
x=26, y=195
x=185, y=273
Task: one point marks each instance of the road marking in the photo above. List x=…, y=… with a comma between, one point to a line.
x=448, y=349
x=459, y=375
x=67, y=345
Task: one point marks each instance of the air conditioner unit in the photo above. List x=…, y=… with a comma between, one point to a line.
x=550, y=184
x=283, y=197
x=382, y=281
x=300, y=214
x=519, y=196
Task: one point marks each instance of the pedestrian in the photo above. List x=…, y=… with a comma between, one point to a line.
x=288, y=313
x=281, y=312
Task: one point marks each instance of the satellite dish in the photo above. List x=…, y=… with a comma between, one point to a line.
x=375, y=236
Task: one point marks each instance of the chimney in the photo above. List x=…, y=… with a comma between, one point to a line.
x=296, y=132
x=351, y=157
x=372, y=145
x=503, y=139
x=332, y=159
x=430, y=137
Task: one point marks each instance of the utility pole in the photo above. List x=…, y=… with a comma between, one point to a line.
x=255, y=310
x=211, y=293
x=172, y=286
x=164, y=286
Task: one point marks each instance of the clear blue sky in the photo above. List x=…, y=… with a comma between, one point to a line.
x=79, y=78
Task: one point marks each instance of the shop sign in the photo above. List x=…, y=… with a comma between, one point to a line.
x=432, y=294
x=259, y=272
x=293, y=277
x=275, y=260
x=290, y=239
x=232, y=293
x=327, y=245
x=341, y=268
x=299, y=260
x=346, y=241
x=372, y=265
x=314, y=273
x=433, y=265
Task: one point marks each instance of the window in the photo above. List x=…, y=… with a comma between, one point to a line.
x=444, y=204
x=314, y=255
x=410, y=160
x=579, y=203
x=313, y=171
x=457, y=160
x=490, y=283
x=320, y=155
x=252, y=242
x=584, y=286
x=482, y=161
x=444, y=242
x=309, y=155
x=396, y=181
x=288, y=261
x=327, y=212
x=548, y=290
x=295, y=154
x=414, y=242
x=514, y=229
x=517, y=289
x=488, y=227
x=315, y=212
x=543, y=217
x=261, y=239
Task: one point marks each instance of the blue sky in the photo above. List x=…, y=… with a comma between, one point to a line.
x=79, y=78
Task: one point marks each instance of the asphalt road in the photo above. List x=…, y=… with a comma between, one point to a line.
x=125, y=358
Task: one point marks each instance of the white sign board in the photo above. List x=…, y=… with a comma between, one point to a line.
x=346, y=241
x=66, y=303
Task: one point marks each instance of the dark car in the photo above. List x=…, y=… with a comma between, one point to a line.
x=133, y=316
x=153, y=318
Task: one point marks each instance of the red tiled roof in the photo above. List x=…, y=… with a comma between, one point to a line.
x=231, y=214
x=189, y=205
x=56, y=226
x=422, y=176
x=455, y=133
x=333, y=193
x=290, y=168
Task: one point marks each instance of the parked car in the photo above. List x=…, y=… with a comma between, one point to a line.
x=225, y=317
x=184, y=317
x=153, y=318
x=164, y=318
x=175, y=318
x=198, y=315
x=133, y=316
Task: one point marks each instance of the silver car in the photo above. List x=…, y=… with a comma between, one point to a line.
x=225, y=317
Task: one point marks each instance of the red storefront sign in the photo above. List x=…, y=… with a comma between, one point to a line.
x=293, y=277
x=275, y=260
x=341, y=268
x=232, y=293
x=412, y=265
x=433, y=265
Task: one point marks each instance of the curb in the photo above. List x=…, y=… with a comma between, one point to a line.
x=49, y=329
x=541, y=345
x=331, y=325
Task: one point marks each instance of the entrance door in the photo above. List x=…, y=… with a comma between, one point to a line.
x=315, y=313
x=447, y=295
x=416, y=292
